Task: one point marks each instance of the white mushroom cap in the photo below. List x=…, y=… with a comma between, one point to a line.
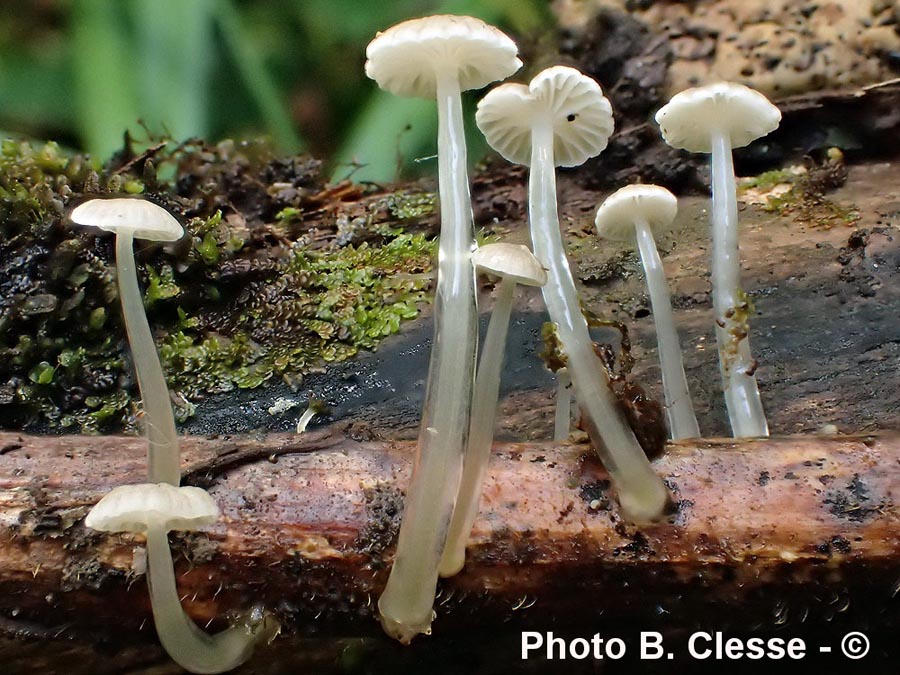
x=581, y=116
x=510, y=261
x=742, y=113
x=405, y=58
x=130, y=508
x=143, y=218
x=616, y=215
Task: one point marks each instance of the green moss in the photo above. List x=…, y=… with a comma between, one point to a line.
x=329, y=305
x=411, y=205
x=161, y=286
x=769, y=179
x=240, y=300
x=805, y=200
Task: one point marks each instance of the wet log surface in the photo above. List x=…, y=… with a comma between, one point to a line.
x=785, y=534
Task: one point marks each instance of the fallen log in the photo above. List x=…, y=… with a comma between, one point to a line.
x=800, y=530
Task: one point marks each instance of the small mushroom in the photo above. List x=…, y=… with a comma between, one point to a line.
x=641, y=210
x=514, y=264
x=438, y=57
x=154, y=509
x=715, y=119
x=130, y=219
x=561, y=119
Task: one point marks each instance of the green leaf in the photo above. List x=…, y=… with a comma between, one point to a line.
x=256, y=77
x=104, y=91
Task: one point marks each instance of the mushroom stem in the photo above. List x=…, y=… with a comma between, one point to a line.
x=642, y=494
x=159, y=421
x=189, y=646
x=563, y=420
x=481, y=431
x=406, y=604
x=736, y=363
x=679, y=408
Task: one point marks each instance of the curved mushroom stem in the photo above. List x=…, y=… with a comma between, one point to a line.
x=481, y=431
x=189, y=646
x=159, y=421
x=679, y=408
x=642, y=494
x=562, y=422
x=736, y=363
x=406, y=604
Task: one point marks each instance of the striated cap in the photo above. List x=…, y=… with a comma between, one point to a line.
x=581, y=116
x=406, y=59
x=144, y=219
x=131, y=508
x=617, y=214
x=510, y=261
x=742, y=113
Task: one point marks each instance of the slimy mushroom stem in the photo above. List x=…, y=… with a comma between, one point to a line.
x=514, y=264
x=730, y=302
x=159, y=420
x=562, y=108
x=438, y=57
x=679, y=407
x=562, y=420
x=183, y=640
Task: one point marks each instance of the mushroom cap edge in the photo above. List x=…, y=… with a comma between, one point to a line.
x=582, y=118
x=142, y=217
x=687, y=119
x=402, y=58
x=510, y=261
x=615, y=216
x=130, y=508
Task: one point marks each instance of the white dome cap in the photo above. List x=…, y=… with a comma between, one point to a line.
x=616, y=215
x=510, y=261
x=581, y=116
x=144, y=219
x=742, y=113
x=405, y=58
x=130, y=508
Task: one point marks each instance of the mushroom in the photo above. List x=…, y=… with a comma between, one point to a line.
x=316, y=407
x=439, y=57
x=153, y=509
x=641, y=210
x=714, y=119
x=561, y=119
x=514, y=264
x=130, y=219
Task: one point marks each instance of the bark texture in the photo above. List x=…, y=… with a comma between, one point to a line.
x=782, y=531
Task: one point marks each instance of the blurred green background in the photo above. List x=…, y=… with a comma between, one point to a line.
x=83, y=71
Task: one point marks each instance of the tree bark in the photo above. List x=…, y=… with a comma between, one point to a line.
x=802, y=530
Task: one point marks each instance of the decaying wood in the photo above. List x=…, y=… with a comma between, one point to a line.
x=794, y=530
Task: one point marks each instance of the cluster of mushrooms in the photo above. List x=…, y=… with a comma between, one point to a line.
x=561, y=118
